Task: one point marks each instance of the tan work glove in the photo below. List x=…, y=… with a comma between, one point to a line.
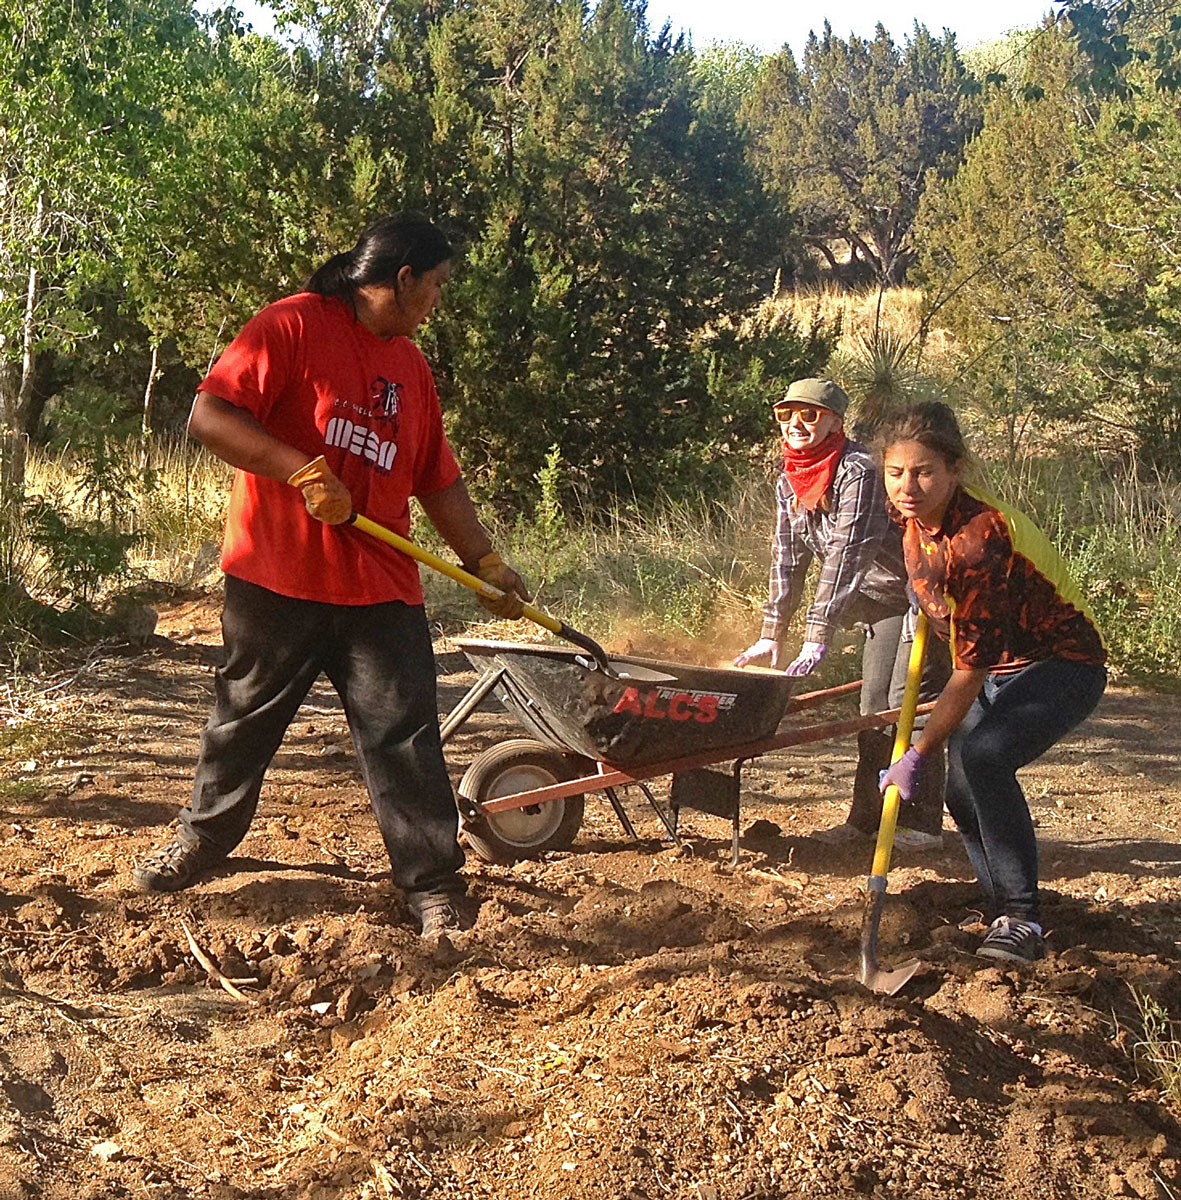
x=493, y=569
x=327, y=499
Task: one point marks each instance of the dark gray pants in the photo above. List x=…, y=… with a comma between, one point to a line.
x=884, y=661
x=1016, y=719
x=378, y=658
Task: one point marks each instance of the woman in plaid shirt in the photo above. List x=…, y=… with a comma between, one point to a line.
x=831, y=507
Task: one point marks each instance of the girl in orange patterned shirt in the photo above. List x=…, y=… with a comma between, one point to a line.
x=1028, y=659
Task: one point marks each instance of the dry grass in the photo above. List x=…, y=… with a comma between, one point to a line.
x=897, y=311
x=679, y=580
x=177, y=508
x=1158, y=1050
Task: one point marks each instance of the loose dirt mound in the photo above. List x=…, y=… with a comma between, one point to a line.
x=626, y=1019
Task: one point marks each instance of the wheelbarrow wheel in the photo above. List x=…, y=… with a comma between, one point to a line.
x=520, y=765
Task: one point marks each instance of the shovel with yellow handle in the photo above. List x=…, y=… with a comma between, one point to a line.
x=872, y=975
x=487, y=590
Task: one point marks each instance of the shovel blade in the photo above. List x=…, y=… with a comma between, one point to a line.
x=889, y=983
x=884, y=983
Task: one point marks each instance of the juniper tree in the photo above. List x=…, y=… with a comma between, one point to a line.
x=848, y=137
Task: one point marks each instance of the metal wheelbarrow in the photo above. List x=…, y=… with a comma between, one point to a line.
x=582, y=720
x=594, y=734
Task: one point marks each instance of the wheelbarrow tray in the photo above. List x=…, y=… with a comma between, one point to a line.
x=561, y=699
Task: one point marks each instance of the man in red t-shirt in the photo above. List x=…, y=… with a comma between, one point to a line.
x=325, y=406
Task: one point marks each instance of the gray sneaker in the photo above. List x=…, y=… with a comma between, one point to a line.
x=1012, y=939
x=440, y=919
x=916, y=839
x=173, y=866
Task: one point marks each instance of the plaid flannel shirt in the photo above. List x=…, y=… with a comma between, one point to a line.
x=859, y=547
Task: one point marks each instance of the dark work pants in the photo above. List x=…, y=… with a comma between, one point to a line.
x=1016, y=719
x=378, y=658
x=884, y=662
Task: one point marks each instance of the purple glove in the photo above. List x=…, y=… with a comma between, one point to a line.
x=904, y=774
x=763, y=648
x=809, y=658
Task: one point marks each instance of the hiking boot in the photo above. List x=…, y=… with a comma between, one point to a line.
x=1013, y=939
x=438, y=913
x=844, y=834
x=439, y=920
x=173, y=866
x=916, y=839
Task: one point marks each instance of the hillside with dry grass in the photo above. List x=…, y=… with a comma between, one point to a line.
x=864, y=315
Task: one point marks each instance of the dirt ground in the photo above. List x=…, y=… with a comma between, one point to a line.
x=627, y=1020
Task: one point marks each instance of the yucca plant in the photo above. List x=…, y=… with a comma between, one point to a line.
x=878, y=371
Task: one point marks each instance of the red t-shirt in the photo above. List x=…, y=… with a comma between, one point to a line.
x=316, y=378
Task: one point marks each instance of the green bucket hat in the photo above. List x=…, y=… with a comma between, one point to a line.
x=821, y=392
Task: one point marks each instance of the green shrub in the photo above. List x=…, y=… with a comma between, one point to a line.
x=82, y=554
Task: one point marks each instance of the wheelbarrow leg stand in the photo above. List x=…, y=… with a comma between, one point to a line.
x=670, y=825
x=472, y=700
x=736, y=820
x=624, y=820
x=715, y=792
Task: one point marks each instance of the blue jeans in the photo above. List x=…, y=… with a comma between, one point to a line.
x=1015, y=719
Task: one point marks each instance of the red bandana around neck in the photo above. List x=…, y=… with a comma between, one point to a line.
x=810, y=472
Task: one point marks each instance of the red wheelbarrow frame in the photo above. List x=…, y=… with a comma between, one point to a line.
x=606, y=778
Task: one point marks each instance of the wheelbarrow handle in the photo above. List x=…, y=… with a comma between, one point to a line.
x=538, y=615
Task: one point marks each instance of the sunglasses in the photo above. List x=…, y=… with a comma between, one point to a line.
x=785, y=412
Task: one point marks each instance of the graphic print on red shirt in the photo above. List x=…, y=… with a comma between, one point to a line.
x=317, y=379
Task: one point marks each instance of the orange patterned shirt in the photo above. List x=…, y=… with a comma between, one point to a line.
x=991, y=583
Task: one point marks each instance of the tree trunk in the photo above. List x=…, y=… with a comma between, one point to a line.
x=46, y=384
x=859, y=243
x=9, y=387
x=29, y=320
x=13, y=447
x=13, y=452
x=824, y=249
x=145, y=438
